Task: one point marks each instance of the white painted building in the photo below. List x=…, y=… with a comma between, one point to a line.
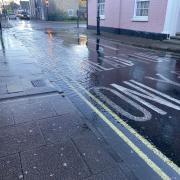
x=172, y=21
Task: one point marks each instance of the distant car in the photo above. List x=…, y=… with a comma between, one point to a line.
x=24, y=16
x=12, y=16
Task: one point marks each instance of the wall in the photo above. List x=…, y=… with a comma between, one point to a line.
x=111, y=13
x=178, y=24
x=63, y=6
x=172, y=22
x=119, y=14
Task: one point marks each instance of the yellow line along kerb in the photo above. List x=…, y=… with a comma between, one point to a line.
x=141, y=154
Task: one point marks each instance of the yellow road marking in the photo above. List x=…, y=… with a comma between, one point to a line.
x=133, y=131
x=141, y=154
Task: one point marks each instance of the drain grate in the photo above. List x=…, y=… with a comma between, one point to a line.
x=38, y=83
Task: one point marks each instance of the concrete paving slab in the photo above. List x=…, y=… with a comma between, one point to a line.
x=14, y=139
x=34, y=92
x=10, y=168
x=93, y=152
x=6, y=117
x=61, y=128
x=109, y=174
x=24, y=112
x=62, y=105
x=54, y=162
x=3, y=88
x=14, y=87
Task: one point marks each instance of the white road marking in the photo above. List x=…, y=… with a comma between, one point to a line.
x=157, y=92
x=132, y=93
x=163, y=79
x=146, y=114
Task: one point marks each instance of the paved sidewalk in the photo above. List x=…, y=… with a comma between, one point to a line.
x=42, y=135
x=6, y=24
x=138, y=41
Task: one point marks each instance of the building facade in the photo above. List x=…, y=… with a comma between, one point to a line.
x=37, y=9
x=56, y=9
x=149, y=18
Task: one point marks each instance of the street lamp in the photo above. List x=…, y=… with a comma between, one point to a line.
x=98, y=19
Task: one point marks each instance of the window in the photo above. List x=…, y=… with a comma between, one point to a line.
x=101, y=4
x=141, y=10
x=70, y=12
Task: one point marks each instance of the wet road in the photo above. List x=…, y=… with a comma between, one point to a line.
x=136, y=85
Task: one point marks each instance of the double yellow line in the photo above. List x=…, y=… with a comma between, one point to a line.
x=136, y=149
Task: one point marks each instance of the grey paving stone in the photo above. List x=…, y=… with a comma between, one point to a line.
x=6, y=117
x=54, y=162
x=58, y=129
x=25, y=69
x=109, y=174
x=14, y=87
x=93, y=152
x=24, y=111
x=62, y=105
x=10, y=168
x=3, y=88
x=14, y=139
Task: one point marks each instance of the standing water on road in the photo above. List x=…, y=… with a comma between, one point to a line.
x=141, y=86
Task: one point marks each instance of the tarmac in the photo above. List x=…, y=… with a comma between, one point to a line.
x=138, y=41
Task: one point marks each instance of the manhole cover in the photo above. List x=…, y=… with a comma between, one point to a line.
x=38, y=83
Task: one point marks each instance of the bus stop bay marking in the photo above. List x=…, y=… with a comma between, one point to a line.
x=124, y=124
x=140, y=95
x=136, y=149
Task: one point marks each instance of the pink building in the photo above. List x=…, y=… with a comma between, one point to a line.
x=155, y=19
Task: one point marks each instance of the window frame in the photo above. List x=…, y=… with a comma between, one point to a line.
x=102, y=16
x=140, y=18
x=70, y=12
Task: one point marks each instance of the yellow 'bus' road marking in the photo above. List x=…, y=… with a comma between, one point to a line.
x=141, y=154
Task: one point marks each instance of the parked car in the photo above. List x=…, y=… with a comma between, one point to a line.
x=12, y=16
x=23, y=15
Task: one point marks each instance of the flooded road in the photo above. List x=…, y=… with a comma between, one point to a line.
x=136, y=86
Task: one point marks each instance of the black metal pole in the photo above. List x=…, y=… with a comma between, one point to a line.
x=1, y=19
x=87, y=14
x=47, y=13
x=98, y=19
x=77, y=18
x=0, y=23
